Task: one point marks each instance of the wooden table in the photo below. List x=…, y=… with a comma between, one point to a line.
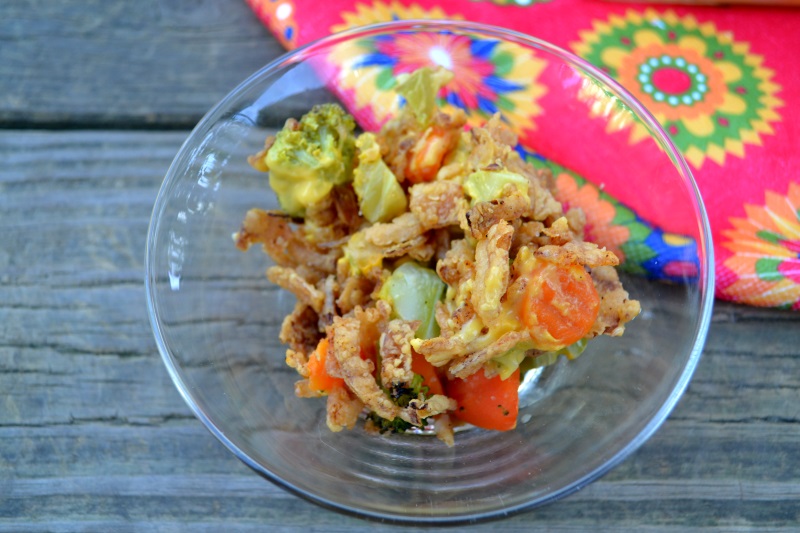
x=96, y=98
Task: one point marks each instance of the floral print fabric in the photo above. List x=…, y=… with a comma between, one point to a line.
x=723, y=83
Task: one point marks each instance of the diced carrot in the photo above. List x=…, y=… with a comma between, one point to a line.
x=489, y=403
x=430, y=379
x=318, y=377
x=560, y=304
x=426, y=156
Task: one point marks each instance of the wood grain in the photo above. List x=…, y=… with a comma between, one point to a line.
x=109, y=64
x=94, y=437
x=95, y=99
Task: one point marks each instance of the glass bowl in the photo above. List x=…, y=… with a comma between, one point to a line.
x=216, y=317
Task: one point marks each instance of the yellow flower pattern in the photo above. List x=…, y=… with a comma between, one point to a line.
x=764, y=266
x=490, y=75
x=711, y=94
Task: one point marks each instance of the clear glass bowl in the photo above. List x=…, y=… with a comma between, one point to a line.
x=216, y=317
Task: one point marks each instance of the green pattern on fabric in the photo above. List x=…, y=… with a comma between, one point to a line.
x=648, y=251
x=769, y=236
x=623, y=215
x=708, y=91
x=748, y=84
x=386, y=80
x=637, y=252
x=639, y=231
x=767, y=269
x=503, y=61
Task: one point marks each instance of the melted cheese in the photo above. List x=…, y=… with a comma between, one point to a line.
x=475, y=334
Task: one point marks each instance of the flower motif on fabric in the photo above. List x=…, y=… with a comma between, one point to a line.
x=764, y=268
x=707, y=90
x=385, y=12
x=489, y=75
x=599, y=210
x=642, y=248
x=279, y=16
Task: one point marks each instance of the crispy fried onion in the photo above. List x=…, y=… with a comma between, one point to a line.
x=466, y=359
x=616, y=307
x=342, y=410
x=576, y=219
x=290, y=280
x=401, y=230
x=511, y=205
x=395, y=350
x=332, y=219
x=443, y=427
x=329, y=289
x=543, y=204
x=458, y=264
x=491, y=271
x=559, y=232
x=402, y=236
x=299, y=330
x=581, y=253
x=528, y=234
x=357, y=374
x=302, y=389
x=298, y=361
x=467, y=365
x=439, y=350
x=355, y=291
x=284, y=245
x=491, y=144
x=437, y=204
x=397, y=138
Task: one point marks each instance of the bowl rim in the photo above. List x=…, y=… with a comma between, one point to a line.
x=704, y=245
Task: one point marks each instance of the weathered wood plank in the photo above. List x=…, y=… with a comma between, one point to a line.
x=93, y=436
x=149, y=63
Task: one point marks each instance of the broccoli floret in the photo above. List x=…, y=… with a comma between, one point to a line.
x=397, y=425
x=310, y=157
x=402, y=396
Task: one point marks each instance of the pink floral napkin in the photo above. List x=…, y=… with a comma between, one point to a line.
x=723, y=81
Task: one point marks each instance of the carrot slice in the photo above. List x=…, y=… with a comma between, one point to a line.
x=489, y=403
x=430, y=379
x=560, y=304
x=427, y=155
x=318, y=377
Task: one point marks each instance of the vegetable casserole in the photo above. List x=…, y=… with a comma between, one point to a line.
x=432, y=266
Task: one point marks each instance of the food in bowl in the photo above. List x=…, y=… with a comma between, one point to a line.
x=432, y=266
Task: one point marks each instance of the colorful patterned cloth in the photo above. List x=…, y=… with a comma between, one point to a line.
x=724, y=83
